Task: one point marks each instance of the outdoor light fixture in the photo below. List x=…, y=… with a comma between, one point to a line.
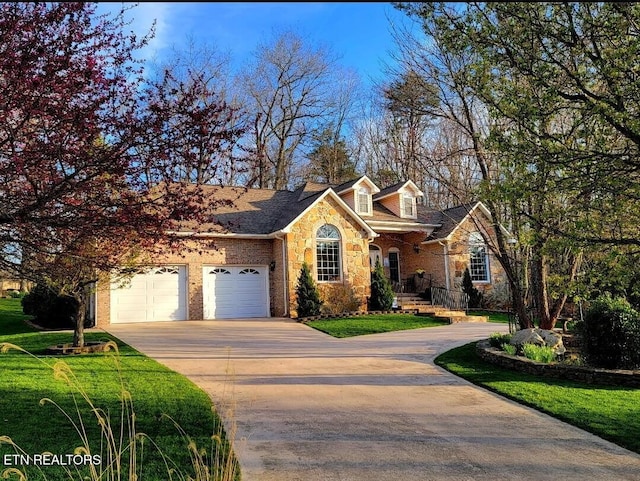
x=416, y=248
x=272, y=266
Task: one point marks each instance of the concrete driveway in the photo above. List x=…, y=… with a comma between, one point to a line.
x=310, y=407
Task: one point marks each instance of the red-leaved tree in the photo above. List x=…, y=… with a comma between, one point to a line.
x=76, y=202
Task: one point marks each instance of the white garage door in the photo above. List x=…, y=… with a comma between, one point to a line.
x=232, y=292
x=158, y=294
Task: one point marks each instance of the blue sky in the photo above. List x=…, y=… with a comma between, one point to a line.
x=358, y=32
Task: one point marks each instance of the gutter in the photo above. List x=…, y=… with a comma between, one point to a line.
x=223, y=235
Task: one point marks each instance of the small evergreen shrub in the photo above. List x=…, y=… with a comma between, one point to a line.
x=542, y=354
x=475, y=296
x=497, y=339
x=509, y=349
x=381, y=291
x=307, y=295
x=611, y=334
x=50, y=309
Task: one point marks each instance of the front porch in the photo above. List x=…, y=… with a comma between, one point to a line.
x=449, y=306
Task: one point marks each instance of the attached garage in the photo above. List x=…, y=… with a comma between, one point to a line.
x=155, y=294
x=233, y=292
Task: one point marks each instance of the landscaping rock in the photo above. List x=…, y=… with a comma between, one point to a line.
x=553, y=340
x=539, y=337
x=526, y=336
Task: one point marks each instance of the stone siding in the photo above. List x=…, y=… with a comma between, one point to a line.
x=354, y=243
x=459, y=259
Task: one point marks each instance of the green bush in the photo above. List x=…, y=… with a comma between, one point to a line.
x=611, y=334
x=509, y=349
x=497, y=339
x=475, y=296
x=307, y=295
x=381, y=291
x=50, y=309
x=543, y=354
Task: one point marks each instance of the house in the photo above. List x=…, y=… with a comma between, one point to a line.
x=247, y=263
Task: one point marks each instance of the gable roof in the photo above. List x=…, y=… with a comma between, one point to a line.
x=243, y=212
x=395, y=188
x=451, y=219
x=353, y=183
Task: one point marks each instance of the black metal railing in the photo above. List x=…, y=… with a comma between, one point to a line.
x=457, y=300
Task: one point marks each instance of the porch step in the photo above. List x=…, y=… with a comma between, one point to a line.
x=410, y=301
x=451, y=316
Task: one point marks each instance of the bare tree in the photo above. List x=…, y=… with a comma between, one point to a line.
x=198, y=121
x=288, y=89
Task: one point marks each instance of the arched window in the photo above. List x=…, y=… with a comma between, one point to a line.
x=478, y=258
x=328, y=254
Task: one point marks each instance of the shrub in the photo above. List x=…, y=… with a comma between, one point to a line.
x=381, y=291
x=497, y=339
x=475, y=296
x=50, y=309
x=611, y=334
x=307, y=295
x=542, y=354
x=337, y=298
x=509, y=349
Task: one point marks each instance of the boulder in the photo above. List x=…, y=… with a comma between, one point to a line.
x=539, y=337
x=526, y=336
x=553, y=340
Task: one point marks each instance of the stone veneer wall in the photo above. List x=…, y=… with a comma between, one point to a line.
x=459, y=259
x=589, y=375
x=301, y=247
x=214, y=251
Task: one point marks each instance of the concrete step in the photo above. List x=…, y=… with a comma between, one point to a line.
x=452, y=316
x=454, y=319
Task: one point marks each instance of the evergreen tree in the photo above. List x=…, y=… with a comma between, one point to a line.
x=381, y=291
x=475, y=296
x=329, y=161
x=307, y=294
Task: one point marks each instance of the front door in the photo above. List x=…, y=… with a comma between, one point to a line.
x=394, y=267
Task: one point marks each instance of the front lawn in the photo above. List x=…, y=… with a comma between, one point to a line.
x=156, y=392
x=373, y=324
x=606, y=411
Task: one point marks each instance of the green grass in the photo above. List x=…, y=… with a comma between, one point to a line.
x=607, y=411
x=498, y=317
x=373, y=324
x=156, y=392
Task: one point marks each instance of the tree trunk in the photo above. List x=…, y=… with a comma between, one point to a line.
x=78, y=332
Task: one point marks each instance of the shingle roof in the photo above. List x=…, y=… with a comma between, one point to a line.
x=389, y=190
x=449, y=219
x=244, y=211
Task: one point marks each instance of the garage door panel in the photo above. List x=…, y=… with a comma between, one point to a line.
x=158, y=294
x=235, y=292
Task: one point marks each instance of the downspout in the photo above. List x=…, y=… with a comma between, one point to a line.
x=447, y=275
x=285, y=276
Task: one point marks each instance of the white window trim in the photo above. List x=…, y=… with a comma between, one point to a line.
x=403, y=199
x=364, y=191
x=340, y=255
x=476, y=240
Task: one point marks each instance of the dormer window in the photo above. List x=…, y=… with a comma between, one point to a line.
x=408, y=206
x=364, y=201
